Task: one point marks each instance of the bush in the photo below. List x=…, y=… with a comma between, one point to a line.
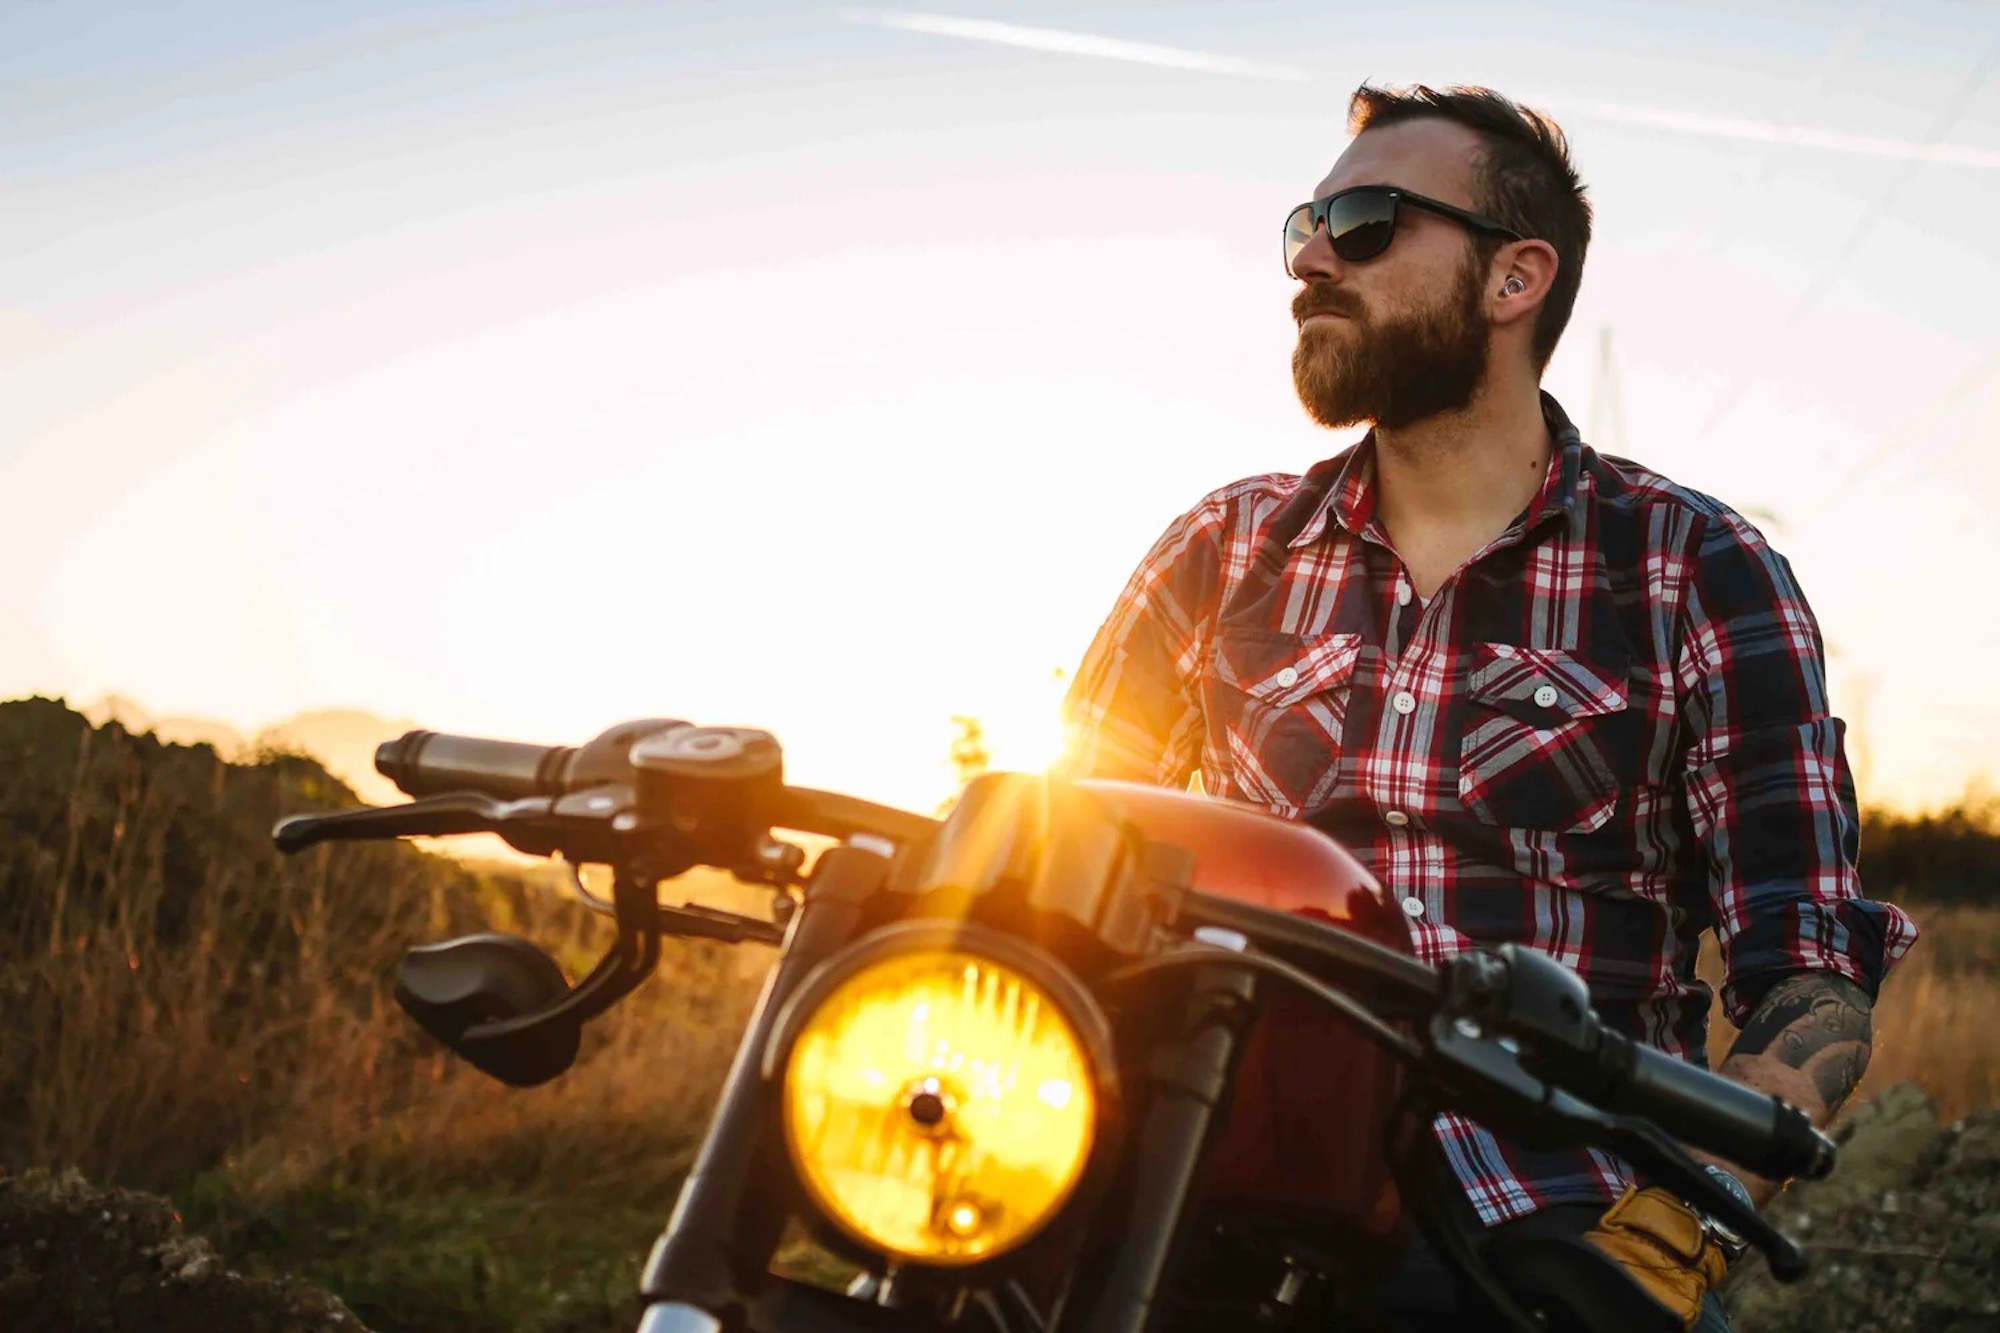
x=1947, y=856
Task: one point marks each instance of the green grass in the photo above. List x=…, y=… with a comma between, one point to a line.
x=467, y=1260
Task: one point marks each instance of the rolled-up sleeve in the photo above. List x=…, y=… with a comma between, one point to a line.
x=1769, y=793
x=1133, y=711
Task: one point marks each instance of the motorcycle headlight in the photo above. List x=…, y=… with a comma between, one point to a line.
x=940, y=1104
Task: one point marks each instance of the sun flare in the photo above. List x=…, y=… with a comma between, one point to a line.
x=1025, y=733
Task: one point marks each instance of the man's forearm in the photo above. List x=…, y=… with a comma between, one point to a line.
x=1807, y=1041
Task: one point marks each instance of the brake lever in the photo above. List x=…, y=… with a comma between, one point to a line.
x=1665, y=1162
x=431, y=817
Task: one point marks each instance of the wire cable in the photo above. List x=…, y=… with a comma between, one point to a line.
x=1948, y=116
x=1920, y=433
x=1197, y=955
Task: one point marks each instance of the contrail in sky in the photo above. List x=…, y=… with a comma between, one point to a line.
x=1066, y=42
x=1791, y=136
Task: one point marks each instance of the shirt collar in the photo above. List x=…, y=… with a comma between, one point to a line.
x=1351, y=496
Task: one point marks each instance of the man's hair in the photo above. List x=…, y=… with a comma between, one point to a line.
x=1523, y=178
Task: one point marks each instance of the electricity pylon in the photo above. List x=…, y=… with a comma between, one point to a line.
x=1607, y=404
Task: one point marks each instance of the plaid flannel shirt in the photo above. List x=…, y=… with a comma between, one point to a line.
x=1603, y=735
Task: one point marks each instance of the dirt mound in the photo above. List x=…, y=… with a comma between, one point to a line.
x=1905, y=1234
x=78, y=1259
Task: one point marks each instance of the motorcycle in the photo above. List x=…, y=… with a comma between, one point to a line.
x=1080, y=1057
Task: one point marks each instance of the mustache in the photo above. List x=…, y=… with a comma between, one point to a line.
x=1323, y=298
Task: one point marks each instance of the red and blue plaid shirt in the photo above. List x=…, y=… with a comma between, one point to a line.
x=1605, y=734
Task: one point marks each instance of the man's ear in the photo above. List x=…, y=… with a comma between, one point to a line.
x=1523, y=270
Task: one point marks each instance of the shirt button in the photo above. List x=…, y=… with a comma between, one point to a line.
x=1403, y=593
x=1395, y=818
x=1545, y=697
x=1290, y=677
x=1405, y=702
x=1413, y=907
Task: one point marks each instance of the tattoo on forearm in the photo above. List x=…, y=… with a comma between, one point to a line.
x=1818, y=1023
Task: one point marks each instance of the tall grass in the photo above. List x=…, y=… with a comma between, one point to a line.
x=183, y=1004
x=179, y=993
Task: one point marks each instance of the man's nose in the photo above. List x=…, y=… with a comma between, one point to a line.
x=1316, y=259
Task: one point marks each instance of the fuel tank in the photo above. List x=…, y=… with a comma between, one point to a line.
x=1313, y=1097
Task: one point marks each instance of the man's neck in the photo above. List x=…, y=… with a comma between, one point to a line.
x=1474, y=468
x=1451, y=483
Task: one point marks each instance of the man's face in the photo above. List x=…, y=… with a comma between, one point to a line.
x=1404, y=335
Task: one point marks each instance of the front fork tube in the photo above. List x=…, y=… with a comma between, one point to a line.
x=721, y=1236
x=1189, y=1075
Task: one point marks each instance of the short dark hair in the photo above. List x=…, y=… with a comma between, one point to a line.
x=1524, y=178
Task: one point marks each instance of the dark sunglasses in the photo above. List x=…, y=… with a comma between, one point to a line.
x=1361, y=221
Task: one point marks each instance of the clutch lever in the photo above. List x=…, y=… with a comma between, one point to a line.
x=431, y=817
x=584, y=826
x=599, y=824
x=708, y=923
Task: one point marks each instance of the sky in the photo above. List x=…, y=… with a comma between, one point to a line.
x=522, y=367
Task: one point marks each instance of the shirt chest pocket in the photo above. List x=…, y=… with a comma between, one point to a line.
x=1548, y=739
x=1276, y=708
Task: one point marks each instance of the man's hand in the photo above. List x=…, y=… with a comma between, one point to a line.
x=1662, y=1244
x=1808, y=1041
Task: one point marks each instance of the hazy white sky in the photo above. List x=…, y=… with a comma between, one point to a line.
x=523, y=366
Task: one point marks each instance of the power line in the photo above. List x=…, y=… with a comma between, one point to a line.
x=1607, y=402
x=1850, y=41
x=1947, y=116
x=1918, y=435
x=1607, y=411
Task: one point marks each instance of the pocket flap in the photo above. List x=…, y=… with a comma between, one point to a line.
x=1545, y=686
x=1281, y=669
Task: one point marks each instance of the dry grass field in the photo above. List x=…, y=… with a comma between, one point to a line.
x=1938, y=1023
x=191, y=1013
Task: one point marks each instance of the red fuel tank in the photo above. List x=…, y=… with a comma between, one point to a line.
x=1313, y=1096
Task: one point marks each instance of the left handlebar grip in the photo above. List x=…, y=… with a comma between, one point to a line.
x=427, y=763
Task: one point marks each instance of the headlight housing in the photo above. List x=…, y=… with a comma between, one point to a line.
x=942, y=1090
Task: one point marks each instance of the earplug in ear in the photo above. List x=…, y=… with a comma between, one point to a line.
x=1513, y=287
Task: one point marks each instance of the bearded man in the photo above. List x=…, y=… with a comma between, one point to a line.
x=1546, y=696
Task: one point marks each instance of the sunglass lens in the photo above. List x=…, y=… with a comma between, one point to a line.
x=1298, y=230
x=1359, y=225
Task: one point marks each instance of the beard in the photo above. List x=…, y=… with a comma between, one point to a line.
x=1394, y=370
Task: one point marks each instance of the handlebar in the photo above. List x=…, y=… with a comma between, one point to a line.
x=686, y=794
x=1530, y=997
x=431, y=764
x=1545, y=1008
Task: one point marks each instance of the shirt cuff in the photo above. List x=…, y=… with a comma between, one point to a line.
x=1856, y=938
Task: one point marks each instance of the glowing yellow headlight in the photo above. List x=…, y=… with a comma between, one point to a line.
x=939, y=1106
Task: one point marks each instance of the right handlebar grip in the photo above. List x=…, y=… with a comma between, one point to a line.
x=1763, y=1133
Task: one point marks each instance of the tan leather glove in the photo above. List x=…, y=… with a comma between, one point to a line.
x=1662, y=1245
